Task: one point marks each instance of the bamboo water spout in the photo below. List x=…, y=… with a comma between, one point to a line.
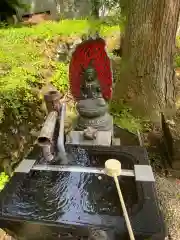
x=60, y=142
x=52, y=100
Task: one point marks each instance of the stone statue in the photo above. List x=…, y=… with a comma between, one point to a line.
x=92, y=107
x=90, y=87
x=90, y=79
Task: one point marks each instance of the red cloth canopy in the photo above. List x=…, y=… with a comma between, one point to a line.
x=91, y=51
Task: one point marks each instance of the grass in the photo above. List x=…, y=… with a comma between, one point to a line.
x=123, y=117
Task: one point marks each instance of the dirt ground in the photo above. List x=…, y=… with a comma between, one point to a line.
x=36, y=18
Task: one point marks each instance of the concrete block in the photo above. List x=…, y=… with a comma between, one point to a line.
x=76, y=138
x=25, y=166
x=116, y=142
x=144, y=173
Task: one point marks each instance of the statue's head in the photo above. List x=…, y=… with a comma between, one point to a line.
x=90, y=74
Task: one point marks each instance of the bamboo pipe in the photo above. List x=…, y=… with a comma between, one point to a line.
x=45, y=138
x=47, y=131
x=60, y=143
x=52, y=100
x=113, y=169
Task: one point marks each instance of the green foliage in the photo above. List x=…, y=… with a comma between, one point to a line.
x=116, y=16
x=123, y=117
x=26, y=64
x=111, y=3
x=177, y=61
x=19, y=67
x=22, y=59
x=60, y=77
x=178, y=41
x=3, y=180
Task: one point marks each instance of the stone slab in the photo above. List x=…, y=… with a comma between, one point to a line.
x=25, y=166
x=143, y=173
x=76, y=138
x=116, y=141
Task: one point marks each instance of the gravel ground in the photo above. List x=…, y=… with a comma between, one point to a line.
x=168, y=191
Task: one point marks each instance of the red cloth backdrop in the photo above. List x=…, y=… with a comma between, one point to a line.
x=91, y=51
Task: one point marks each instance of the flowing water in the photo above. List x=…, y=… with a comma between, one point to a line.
x=72, y=197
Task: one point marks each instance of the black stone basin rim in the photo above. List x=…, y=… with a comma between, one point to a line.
x=40, y=167
x=141, y=172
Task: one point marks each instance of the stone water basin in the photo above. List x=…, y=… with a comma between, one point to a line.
x=57, y=205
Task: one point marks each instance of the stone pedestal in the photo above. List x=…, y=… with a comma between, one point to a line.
x=94, y=113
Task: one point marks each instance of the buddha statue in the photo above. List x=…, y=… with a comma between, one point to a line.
x=90, y=87
x=92, y=107
x=90, y=79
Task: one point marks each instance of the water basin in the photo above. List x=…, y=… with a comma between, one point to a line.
x=71, y=196
x=43, y=205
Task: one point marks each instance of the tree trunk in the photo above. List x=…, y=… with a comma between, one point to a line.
x=96, y=4
x=147, y=80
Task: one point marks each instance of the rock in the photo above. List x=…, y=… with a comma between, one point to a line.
x=67, y=125
x=36, y=18
x=73, y=46
x=114, y=43
x=66, y=48
x=98, y=235
x=177, y=71
x=171, y=140
x=90, y=133
x=62, y=52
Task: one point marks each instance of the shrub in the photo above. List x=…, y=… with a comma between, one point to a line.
x=60, y=77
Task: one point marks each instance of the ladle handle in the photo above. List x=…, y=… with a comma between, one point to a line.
x=128, y=224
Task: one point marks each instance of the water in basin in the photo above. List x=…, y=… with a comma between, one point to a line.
x=70, y=196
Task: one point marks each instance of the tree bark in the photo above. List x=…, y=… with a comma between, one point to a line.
x=147, y=80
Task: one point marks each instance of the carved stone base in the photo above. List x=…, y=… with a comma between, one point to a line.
x=116, y=141
x=103, y=123
x=103, y=138
x=92, y=107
